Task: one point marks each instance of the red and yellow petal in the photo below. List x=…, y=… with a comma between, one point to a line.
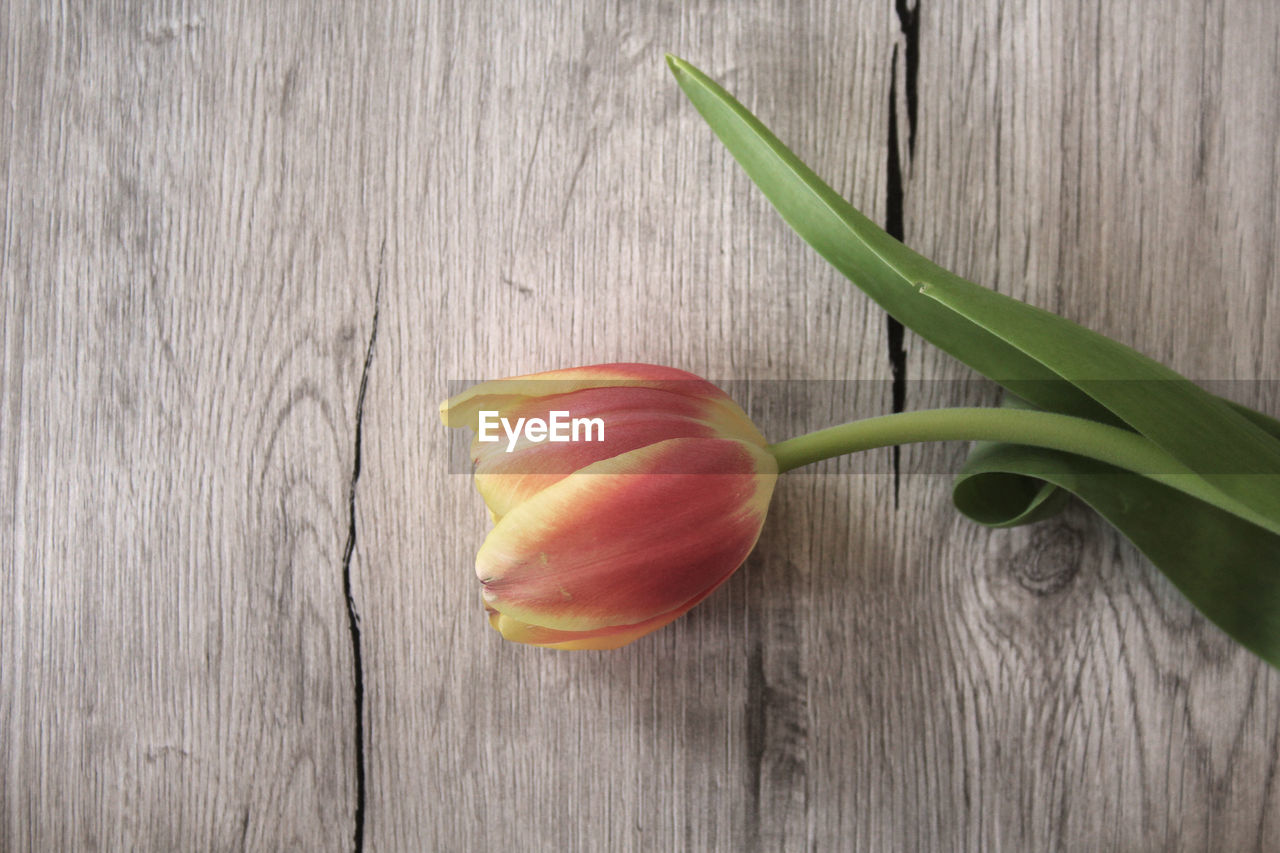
x=612, y=637
x=629, y=538
x=508, y=474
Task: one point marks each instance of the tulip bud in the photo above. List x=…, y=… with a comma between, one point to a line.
x=602, y=537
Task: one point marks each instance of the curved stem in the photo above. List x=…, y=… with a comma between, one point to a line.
x=1112, y=445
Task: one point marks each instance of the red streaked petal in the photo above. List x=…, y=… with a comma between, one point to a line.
x=630, y=537
x=507, y=474
x=630, y=418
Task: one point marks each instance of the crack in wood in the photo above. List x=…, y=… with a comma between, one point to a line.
x=353, y=616
x=755, y=732
x=909, y=21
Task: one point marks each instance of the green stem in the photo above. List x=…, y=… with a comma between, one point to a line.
x=1109, y=444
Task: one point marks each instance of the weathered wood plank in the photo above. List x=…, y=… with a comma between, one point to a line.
x=188, y=280
x=1108, y=164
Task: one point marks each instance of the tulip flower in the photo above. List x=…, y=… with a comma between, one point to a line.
x=607, y=535
x=624, y=494
x=600, y=540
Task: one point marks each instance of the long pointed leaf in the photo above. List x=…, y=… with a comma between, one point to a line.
x=860, y=250
x=1028, y=350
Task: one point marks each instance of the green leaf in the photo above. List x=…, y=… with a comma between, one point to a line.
x=878, y=264
x=1202, y=431
x=1225, y=562
x=1267, y=423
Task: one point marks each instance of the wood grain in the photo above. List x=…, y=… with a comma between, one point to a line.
x=188, y=282
x=248, y=249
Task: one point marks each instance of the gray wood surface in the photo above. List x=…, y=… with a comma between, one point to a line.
x=248, y=247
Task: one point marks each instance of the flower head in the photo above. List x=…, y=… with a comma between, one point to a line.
x=607, y=535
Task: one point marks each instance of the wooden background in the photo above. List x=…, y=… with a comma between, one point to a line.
x=247, y=246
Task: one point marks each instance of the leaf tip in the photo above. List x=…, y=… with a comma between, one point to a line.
x=675, y=63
